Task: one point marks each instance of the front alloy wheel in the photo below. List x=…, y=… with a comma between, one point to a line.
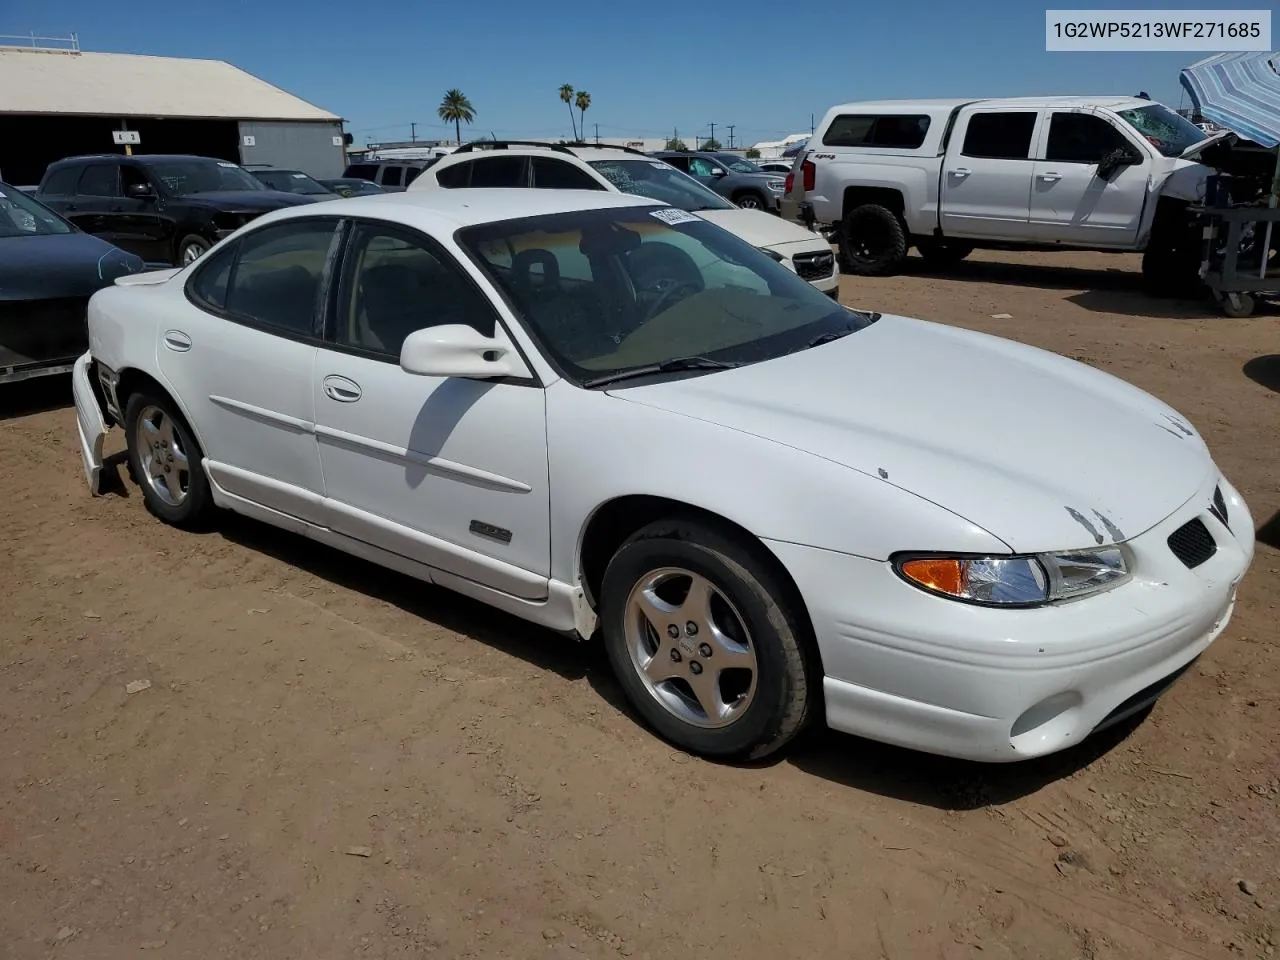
x=166, y=461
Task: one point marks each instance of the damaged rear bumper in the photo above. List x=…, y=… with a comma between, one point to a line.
x=91, y=422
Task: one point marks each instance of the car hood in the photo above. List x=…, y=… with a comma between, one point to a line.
x=60, y=265
x=760, y=229
x=248, y=199
x=1040, y=451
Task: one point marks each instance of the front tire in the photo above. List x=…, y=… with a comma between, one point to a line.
x=750, y=201
x=873, y=241
x=166, y=461
x=703, y=640
x=190, y=249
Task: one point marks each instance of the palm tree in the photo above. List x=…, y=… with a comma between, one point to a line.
x=456, y=107
x=583, y=101
x=566, y=94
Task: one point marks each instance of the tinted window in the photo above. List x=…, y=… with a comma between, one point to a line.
x=276, y=279
x=498, y=172
x=99, y=180
x=395, y=283
x=1000, y=136
x=185, y=177
x=362, y=171
x=61, y=183
x=391, y=176
x=411, y=174
x=558, y=175
x=454, y=176
x=209, y=284
x=1081, y=138
x=865, y=131
x=678, y=161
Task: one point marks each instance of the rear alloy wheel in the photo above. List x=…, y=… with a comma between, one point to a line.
x=701, y=637
x=873, y=241
x=191, y=249
x=166, y=461
x=750, y=201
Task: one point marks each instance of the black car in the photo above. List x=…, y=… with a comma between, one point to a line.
x=48, y=271
x=353, y=187
x=293, y=181
x=166, y=209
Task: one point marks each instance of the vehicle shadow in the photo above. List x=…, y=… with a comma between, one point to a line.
x=1265, y=371
x=1098, y=291
x=37, y=395
x=1269, y=532
x=540, y=648
x=941, y=782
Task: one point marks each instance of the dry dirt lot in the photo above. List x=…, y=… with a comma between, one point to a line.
x=333, y=761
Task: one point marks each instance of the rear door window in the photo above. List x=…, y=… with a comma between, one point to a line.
x=362, y=171
x=61, y=183
x=1003, y=135
x=391, y=176
x=499, y=172
x=552, y=174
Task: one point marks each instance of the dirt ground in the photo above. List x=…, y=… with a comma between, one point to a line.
x=334, y=761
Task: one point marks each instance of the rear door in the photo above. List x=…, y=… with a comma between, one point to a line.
x=986, y=175
x=1070, y=203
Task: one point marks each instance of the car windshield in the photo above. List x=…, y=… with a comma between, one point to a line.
x=1165, y=130
x=660, y=181
x=290, y=181
x=607, y=292
x=21, y=216
x=185, y=177
x=737, y=164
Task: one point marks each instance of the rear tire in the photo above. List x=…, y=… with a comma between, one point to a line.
x=190, y=249
x=943, y=253
x=166, y=462
x=873, y=241
x=702, y=637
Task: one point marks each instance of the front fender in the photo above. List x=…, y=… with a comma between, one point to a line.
x=603, y=447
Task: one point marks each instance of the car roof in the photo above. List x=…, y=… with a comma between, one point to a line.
x=464, y=208
x=905, y=106
x=144, y=158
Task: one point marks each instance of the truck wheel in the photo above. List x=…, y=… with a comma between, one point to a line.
x=873, y=242
x=943, y=253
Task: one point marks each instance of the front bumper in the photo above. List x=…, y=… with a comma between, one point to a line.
x=91, y=422
x=928, y=673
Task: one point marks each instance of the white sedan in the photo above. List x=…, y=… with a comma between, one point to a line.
x=603, y=414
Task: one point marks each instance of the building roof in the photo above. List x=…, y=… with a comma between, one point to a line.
x=127, y=85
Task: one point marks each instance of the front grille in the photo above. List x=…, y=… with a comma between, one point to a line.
x=814, y=266
x=1192, y=543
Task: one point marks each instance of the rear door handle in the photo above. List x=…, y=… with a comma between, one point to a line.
x=341, y=389
x=961, y=172
x=177, y=341
x=1051, y=177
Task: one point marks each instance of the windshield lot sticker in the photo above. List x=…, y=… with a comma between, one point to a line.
x=671, y=216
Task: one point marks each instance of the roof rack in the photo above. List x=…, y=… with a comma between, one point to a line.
x=556, y=147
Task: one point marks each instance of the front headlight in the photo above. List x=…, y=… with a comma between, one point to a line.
x=1017, y=581
x=772, y=253
x=777, y=186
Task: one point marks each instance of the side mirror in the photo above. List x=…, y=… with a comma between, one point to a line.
x=718, y=171
x=139, y=191
x=456, y=350
x=1115, y=161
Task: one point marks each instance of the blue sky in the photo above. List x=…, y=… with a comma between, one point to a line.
x=650, y=65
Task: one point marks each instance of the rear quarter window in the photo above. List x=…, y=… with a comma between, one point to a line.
x=362, y=171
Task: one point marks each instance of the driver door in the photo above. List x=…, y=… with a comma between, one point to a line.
x=446, y=471
x=1070, y=203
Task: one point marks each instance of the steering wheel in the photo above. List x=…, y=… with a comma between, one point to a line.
x=522, y=274
x=666, y=288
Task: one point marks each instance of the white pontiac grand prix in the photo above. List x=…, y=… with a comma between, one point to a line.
x=594, y=411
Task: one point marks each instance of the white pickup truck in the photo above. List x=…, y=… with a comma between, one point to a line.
x=946, y=176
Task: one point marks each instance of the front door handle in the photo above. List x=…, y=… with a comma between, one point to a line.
x=177, y=341
x=1051, y=177
x=341, y=389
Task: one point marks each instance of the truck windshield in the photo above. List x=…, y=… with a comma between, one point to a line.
x=1165, y=130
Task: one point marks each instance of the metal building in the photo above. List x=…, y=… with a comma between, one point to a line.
x=59, y=101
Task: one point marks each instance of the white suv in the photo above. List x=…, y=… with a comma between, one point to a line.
x=518, y=163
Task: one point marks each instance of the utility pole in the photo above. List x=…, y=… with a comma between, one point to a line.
x=413, y=132
x=597, y=134
x=713, y=131
x=811, y=124
x=731, y=126
x=675, y=136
